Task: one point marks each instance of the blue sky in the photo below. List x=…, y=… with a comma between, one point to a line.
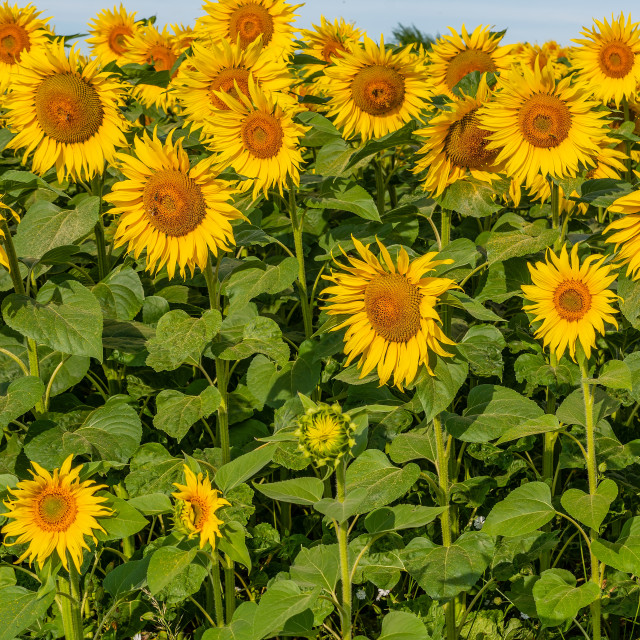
x=535, y=20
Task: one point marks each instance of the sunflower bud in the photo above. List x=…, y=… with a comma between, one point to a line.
x=325, y=434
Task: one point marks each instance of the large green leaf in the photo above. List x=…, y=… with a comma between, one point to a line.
x=20, y=608
x=22, y=395
x=241, y=469
x=491, y=411
x=402, y=516
x=402, y=625
x=436, y=392
x=414, y=445
x=590, y=509
x=558, y=598
x=297, y=490
x=65, y=317
x=524, y=510
x=318, y=566
x=470, y=198
x=127, y=577
x=120, y=294
x=260, y=335
x=46, y=226
x=624, y=554
x=530, y=238
x=346, y=196
x=153, y=470
x=123, y=522
x=168, y=564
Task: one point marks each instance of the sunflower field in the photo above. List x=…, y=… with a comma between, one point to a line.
x=309, y=335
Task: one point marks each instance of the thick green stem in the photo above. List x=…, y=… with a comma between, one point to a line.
x=343, y=548
x=445, y=518
x=548, y=451
x=128, y=543
x=592, y=473
x=445, y=238
x=380, y=188
x=555, y=213
x=103, y=269
x=69, y=604
x=216, y=584
x=229, y=589
x=627, y=143
x=297, y=227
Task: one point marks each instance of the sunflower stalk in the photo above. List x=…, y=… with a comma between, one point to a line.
x=555, y=214
x=297, y=223
x=342, y=531
x=380, y=186
x=97, y=185
x=216, y=586
x=592, y=472
x=627, y=143
x=69, y=603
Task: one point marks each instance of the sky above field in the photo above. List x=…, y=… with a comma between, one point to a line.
x=534, y=20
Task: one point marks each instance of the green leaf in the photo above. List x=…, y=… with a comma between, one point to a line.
x=260, y=335
x=321, y=130
x=491, y=411
x=65, y=317
x=531, y=238
x=346, y=196
x=615, y=374
x=127, y=577
x=402, y=625
x=46, y=226
x=318, y=566
x=120, y=294
x=20, y=608
x=558, y=599
x=482, y=348
x=402, y=516
x=571, y=411
x=166, y=565
x=546, y=423
x=153, y=470
x=624, y=554
x=297, y=490
x=180, y=338
x=255, y=278
x=177, y=412
x=524, y=510
x=22, y=395
x=629, y=291
x=332, y=158
x=470, y=198
x=383, y=483
x=241, y=469
x=234, y=543
x=342, y=511
x=414, y=445
x=152, y=504
x=389, y=141
x=124, y=522
x=444, y=572
x=436, y=392
x=590, y=509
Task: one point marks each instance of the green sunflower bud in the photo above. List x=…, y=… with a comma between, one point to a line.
x=325, y=434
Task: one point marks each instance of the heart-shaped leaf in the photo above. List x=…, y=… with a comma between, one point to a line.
x=590, y=509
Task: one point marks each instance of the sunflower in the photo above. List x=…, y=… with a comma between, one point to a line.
x=248, y=20
x=4, y=260
x=54, y=512
x=183, y=37
x=608, y=61
x=571, y=300
x=626, y=232
x=325, y=434
x=329, y=40
x=65, y=112
x=258, y=138
x=454, y=146
x=374, y=90
x=532, y=55
x=453, y=56
x=392, y=321
x=161, y=50
x=21, y=29
x=174, y=211
x=539, y=127
x=197, y=506
x=111, y=31
x=222, y=67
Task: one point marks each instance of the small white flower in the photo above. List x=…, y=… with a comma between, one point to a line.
x=524, y=616
x=478, y=521
x=382, y=593
x=361, y=594
x=137, y=636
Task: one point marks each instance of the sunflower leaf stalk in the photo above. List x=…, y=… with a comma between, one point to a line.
x=342, y=532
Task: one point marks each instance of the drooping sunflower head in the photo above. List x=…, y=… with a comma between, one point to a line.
x=183, y=37
x=328, y=40
x=258, y=138
x=454, y=56
x=325, y=434
x=246, y=20
x=226, y=67
x=392, y=322
x=454, y=145
x=174, y=211
x=196, y=506
x=607, y=59
x=6, y=212
x=111, y=32
x=376, y=90
x=540, y=56
x=541, y=127
x=625, y=232
x=159, y=49
x=571, y=301
x=54, y=512
x=21, y=29
x=65, y=112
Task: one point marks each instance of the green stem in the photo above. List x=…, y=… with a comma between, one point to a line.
x=555, y=213
x=380, y=188
x=342, y=532
x=216, y=583
x=69, y=604
x=229, y=589
x=222, y=373
x=128, y=543
x=548, y=451
x=627, y=143
x=592, y=472
x=445, y=517
x=102, y=250
x=297, y=228
x=445, y=238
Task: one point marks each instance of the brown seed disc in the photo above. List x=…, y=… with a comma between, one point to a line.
x=572, y=300
x=262, y=134
x=225, y=81
x=378, y=90
x=249, y=21
x=465, y=144
x=466, y=62
x=14, y=39
x=544, y=120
